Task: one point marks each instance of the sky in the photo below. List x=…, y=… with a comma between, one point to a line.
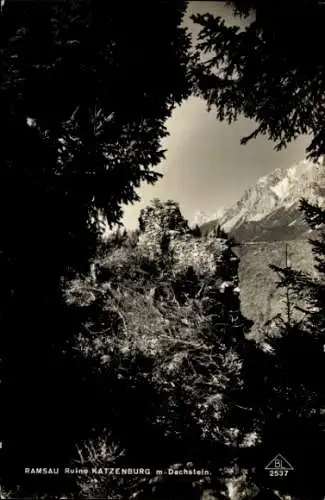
x=206, y=168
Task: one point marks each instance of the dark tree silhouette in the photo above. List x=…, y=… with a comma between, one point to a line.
x=86, y=88
x=272, y=71
x=294, y=389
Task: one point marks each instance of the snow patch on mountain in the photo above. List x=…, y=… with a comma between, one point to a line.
x=228, y=225
x=270, y=210
x=200, y=217
x=282, y=190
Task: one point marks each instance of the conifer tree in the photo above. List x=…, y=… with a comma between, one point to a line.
x=86, y=88
x=294, y=414
x=271, y=70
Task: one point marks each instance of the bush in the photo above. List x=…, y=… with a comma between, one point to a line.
x=163, y=328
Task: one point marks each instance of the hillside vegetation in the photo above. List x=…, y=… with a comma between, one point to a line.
x=261, y=300
x=165, y=335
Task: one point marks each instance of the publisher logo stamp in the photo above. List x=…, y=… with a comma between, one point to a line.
x=279, y=466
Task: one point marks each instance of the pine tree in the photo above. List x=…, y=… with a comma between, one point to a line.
x=267, y=70
x=294, y=414
x=196, y=231
x=86, y=88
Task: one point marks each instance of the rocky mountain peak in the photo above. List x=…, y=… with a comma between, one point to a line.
x=269, y=210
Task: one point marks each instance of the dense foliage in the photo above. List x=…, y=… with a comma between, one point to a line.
x=144, y=359
x=296, y=384
x=165, y=333
x=272, y=71
x=85, y=90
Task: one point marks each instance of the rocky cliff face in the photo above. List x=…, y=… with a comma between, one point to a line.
x=264, y=221
x=269, y=211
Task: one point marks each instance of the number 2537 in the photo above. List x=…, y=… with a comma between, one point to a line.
x=278, y=473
